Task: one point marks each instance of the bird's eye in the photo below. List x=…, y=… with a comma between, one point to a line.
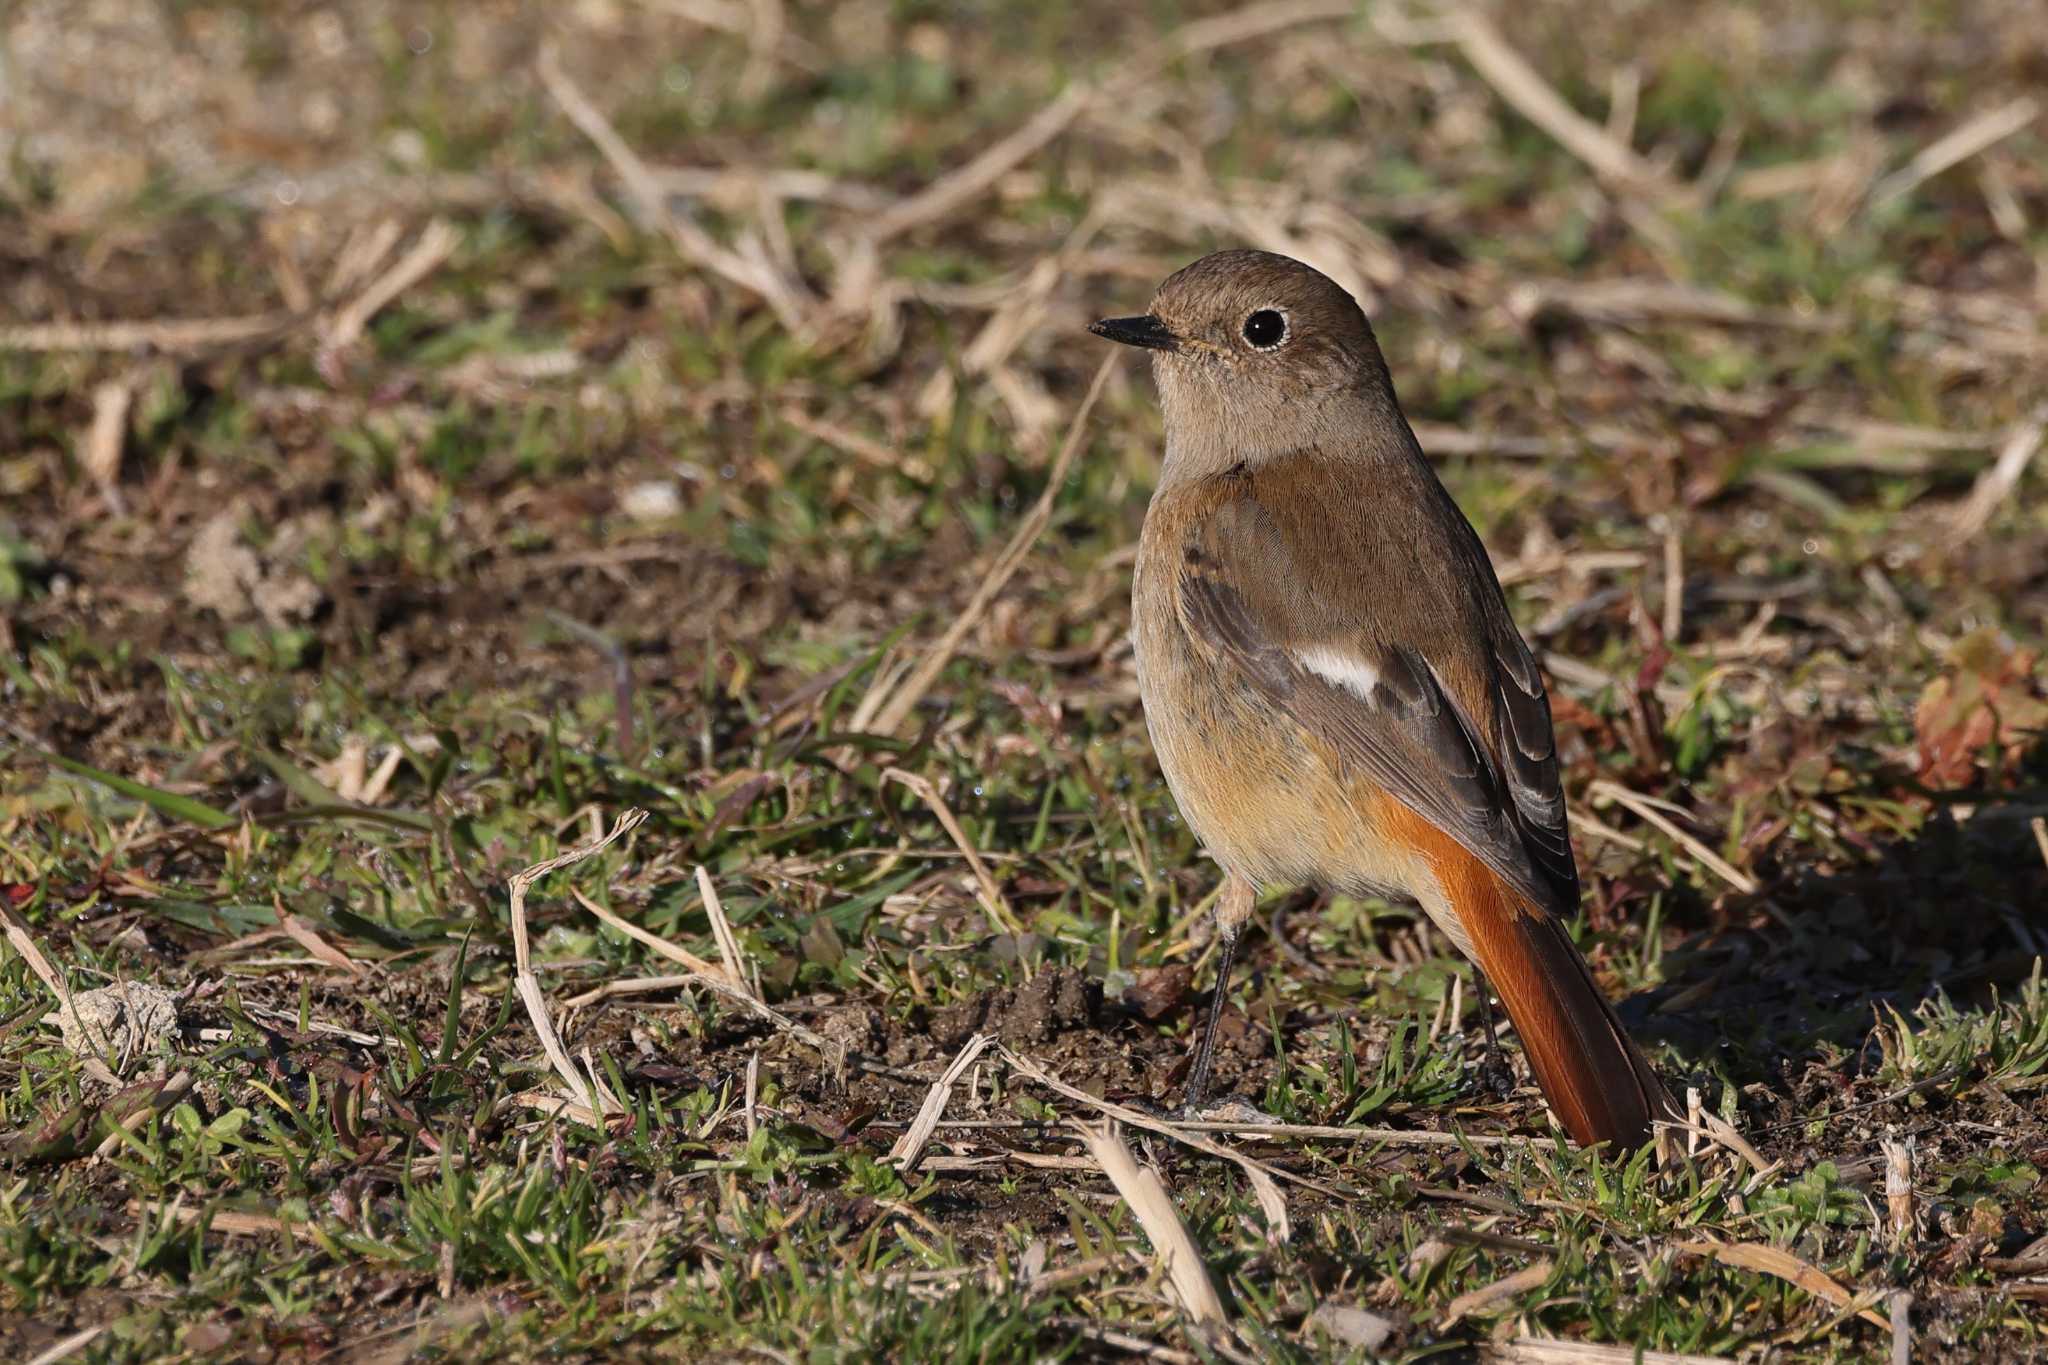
x=1265, y=328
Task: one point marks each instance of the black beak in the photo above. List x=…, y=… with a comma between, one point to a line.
x=1147, y=331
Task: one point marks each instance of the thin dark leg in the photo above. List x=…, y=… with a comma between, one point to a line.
x=1486, y=1017
x=1205, y=1045
x=1494, y=1072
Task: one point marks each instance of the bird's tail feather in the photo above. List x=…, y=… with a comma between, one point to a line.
x=1596, y=1079
x=1591, y=1071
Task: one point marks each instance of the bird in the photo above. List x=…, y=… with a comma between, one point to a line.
x=1333, y=685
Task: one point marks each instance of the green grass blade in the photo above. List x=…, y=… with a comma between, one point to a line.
x=189, y=809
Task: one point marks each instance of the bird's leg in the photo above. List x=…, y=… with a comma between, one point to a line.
x=1494, y=1072
x=1233, y=908
x=1205, y=1042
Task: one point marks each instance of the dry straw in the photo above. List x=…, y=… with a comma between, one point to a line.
x=586, y=1091
x=1152, y=1206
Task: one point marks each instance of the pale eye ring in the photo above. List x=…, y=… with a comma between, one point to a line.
x=1265, y=328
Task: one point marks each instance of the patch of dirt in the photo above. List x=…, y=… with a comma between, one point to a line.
x=117, y=1022
x=224, y=575
x=1051, y=1003
x=857, y=1028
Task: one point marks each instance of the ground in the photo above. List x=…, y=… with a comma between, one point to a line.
x=429, y=434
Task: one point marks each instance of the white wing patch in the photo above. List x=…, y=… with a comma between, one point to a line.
x=1345, y=670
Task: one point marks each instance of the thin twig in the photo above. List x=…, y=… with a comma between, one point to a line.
x=1722, y=1133
x=1674, y=581
x=367, y=247
x=632, y=985
x=1632, y=299
x=167, y=334
x=1556, y=1351
x=673, y=952
x=1036, y=1161
x=557, y=1106
x=585, y=1090
x=788, y=298
x=2006, y=212
x=763, y=41
x=1906, y=1091
x=1125, y=1342
x=986, y=890
x=722, y=934
x=161, y=1099
x=1181, y=1133
x=959, y=187
x=108, y=435
x=752, y=1094
x=911, y=1145
x=968, y=183
x=715, y=979
x=63, y=1348
x=1985, y=130
x=1517, y=82
x=1995, y=485
x=1643, y=809
x=889, y=720
x=1486, y=1295
x=1309, y=1132
x=860, y=447
x=435, y=245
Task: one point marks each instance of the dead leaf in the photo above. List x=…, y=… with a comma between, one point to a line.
x=1159, y=991
x=1988, y=700
x=1521, y=1282
x=307, y=937
x=1784, y=1265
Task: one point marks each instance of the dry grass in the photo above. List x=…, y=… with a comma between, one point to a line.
x=429, y=434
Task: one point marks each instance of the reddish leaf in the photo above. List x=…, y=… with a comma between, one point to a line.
x=1159, y=991
x=1987, y=702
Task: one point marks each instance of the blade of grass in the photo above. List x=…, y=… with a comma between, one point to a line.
x=189, y=809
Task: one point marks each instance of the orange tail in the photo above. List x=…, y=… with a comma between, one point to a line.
x=1590, y=1069
x=1595, y=1078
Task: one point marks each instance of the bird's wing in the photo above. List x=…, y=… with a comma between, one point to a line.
x=1528, y=749
x=1451, y=721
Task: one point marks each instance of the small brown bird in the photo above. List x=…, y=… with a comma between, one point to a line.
x=1332, y=681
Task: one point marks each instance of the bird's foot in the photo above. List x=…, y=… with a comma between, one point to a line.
x=1495, y=1076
